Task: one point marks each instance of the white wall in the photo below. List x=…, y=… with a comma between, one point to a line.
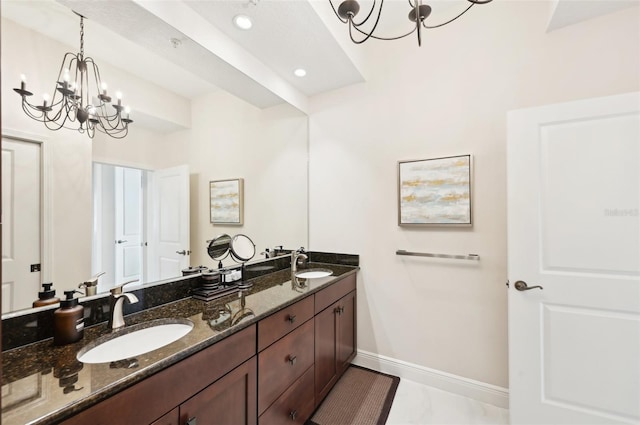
x=229, y=139
x=448, y=97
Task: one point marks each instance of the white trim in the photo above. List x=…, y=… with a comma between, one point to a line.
x=477, y=390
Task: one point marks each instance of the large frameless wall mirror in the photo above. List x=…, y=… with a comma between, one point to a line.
x=136, y=207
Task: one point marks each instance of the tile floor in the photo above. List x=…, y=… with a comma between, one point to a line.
x=415, y=403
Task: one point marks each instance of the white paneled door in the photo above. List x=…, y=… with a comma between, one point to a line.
x=172, y=220
x=21, y=221
x=129, y=221
x=574, y=230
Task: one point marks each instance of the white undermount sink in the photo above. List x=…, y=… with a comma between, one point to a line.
x=313, y=273
x=134, y=340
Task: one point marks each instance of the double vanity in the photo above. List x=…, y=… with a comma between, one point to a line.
x=268, y=354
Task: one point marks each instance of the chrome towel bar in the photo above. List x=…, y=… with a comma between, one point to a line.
x=474, y=257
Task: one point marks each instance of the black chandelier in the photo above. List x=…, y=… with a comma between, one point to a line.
x=74, y=102
x=348, y=10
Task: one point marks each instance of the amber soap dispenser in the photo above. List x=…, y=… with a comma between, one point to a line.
x=68, y=321
x=47, y=296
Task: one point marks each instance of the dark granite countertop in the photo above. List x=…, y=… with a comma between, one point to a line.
x=42, y=383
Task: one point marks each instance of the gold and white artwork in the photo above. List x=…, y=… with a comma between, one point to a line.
x=226, y=201
x=435, y=191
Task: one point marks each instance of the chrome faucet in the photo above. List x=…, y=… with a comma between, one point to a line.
x=296, y=256
x=118, y=297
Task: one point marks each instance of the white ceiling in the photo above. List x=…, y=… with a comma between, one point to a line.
x=255, y=65
x=286, y=35
x=569, y=12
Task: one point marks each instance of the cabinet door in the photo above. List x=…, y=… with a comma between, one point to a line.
x=229, y=400
x=325, y=362
x=346, y=333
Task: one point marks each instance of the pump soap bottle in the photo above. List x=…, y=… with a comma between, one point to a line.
x=68, y=321
x=47, y=296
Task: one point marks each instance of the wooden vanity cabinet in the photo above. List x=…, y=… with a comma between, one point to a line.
x=335, y=334
x=276, y=371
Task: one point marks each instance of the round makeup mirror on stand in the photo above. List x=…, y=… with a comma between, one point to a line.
x=242, y=248
x=218, y=248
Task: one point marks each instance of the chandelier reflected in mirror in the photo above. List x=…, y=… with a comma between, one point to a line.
x=80, y=99
x=418, y=13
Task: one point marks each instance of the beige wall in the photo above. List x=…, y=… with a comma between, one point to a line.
x=267, y=148
x=448, y=97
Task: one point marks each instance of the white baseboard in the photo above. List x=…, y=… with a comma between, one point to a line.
x=481, y=391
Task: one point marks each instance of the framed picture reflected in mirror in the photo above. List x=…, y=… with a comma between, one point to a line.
x=226, y=201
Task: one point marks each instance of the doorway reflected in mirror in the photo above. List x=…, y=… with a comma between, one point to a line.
x=140, y=223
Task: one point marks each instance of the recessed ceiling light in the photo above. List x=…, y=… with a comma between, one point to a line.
x=243, y=22
x=300, y=72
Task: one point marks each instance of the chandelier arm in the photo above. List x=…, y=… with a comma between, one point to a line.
x=388, y=38
x=113, y=122
x=368, y=35
x=373, y=6
x=61, y=77
x=96, y=76
x=115, y=135
x=450, y=20
x=344, y=21
x=28, y=109
x=418, y=27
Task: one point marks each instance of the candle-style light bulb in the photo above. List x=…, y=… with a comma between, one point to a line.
x=45, y=99
x=127, y=110
x=104, y=88
x=65, y=76
x=23, y=82
x=119, y=97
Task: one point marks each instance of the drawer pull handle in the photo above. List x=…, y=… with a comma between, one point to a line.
x=192, y=421
x=339, y=310
x=293, y=415
x=292, y=360
x=291, y=318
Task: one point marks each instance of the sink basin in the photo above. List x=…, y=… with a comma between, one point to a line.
x=313, y=273
x=134, y=340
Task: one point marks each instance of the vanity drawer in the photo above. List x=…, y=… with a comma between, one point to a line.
x=284, y=362
x=281, y=323
x=334, y=292
x=294, y=406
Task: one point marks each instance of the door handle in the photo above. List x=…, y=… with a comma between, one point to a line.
x=183, y=252
x=121, y=241
x=522, y=286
